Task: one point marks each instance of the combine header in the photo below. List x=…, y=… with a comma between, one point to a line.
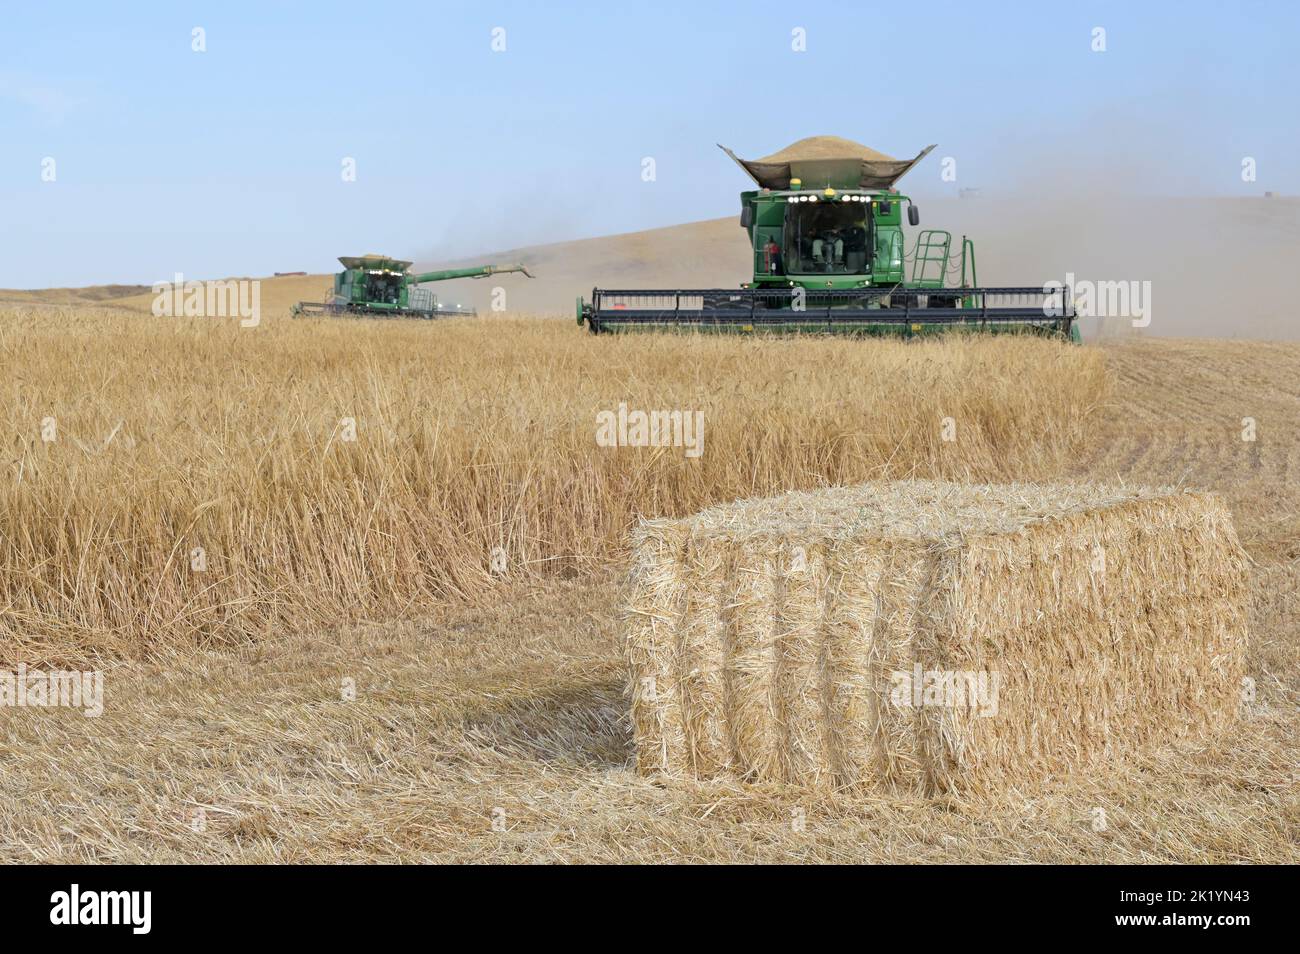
x=383, y=287
x=830, y=257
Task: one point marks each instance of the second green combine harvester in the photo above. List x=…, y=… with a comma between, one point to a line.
x=384, y=287
x=830, y=257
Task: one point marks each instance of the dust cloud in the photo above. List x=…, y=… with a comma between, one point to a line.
x=1099, y=208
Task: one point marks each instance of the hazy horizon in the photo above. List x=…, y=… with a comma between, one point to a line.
x=132, y=156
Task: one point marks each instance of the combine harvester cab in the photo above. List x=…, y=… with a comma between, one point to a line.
x=830, y=257
x=383, y=287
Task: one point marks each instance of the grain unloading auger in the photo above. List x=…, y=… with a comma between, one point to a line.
x=830, y=256
x=379, y=286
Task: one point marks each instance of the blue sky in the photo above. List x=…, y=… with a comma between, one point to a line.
x=228, y=162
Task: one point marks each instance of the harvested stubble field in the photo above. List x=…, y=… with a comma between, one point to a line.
x=484, y=702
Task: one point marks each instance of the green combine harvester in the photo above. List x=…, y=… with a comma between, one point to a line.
x=830, y=257
x=383, y=287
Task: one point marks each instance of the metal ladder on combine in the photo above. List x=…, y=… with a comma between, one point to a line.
x=930, y=266
x=932, y=247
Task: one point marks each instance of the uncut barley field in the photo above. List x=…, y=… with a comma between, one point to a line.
x=486, y=719
x=183, y=482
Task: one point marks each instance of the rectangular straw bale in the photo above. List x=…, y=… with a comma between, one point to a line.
x=798, y=685
x=852, y=664
x=707, y=570
x=1054, y=628
x=750, y=666
x=652, y=615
